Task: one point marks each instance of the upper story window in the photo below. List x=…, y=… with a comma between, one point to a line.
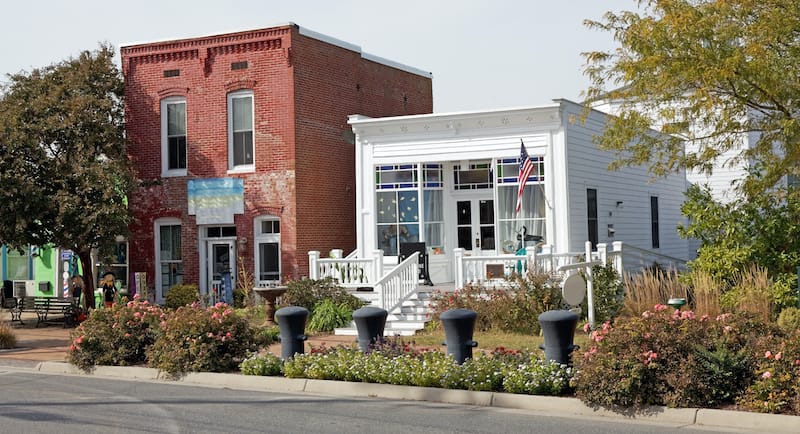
x=240, y=130
x=173, y=136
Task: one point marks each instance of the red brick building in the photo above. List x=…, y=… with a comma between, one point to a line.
x=242, y=147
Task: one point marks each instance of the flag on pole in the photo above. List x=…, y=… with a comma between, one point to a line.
x=525, y=169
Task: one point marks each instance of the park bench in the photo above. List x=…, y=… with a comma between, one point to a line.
x=48, y=310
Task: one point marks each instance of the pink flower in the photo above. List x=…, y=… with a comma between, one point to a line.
x=768, y=354
x=778, y=356
x=704, y=318
x=660, y=307
x=687, y=314
x=647, y=335
x=728, y=329
x=797, y=362
x=586, y=328
x=646, y=314
x=766, y=375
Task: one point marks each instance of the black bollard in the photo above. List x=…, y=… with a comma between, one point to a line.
x=370, y=322
x=292, y=324
x=458, y=326
x=558, y=328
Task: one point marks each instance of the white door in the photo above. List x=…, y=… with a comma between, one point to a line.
x=221, y=256
x=475, y=224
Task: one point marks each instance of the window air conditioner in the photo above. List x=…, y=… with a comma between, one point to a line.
x=24, y=288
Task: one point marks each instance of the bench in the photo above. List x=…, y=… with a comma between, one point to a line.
x=66, y=309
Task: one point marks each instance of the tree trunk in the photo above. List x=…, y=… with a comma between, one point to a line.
x=88, y=278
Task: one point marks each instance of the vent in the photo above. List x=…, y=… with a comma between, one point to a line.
x=238, y=65
x=172, y=72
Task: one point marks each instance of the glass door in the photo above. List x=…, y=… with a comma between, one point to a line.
x=475, y=224
x=221, y=271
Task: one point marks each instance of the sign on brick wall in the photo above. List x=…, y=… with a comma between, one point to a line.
x=215, y=200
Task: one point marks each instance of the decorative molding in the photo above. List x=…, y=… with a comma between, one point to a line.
x=239, y=84
x=173, y=91
x=165, y=57
x=196, y=43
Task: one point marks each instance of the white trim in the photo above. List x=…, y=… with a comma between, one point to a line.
x=157, y=224
x=258, y=238
x=244, y=93
x=165, y=171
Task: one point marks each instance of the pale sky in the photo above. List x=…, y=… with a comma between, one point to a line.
x=484, y=54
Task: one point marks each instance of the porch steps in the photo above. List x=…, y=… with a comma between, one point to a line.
x=406, y=320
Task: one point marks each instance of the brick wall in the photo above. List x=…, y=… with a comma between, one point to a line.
x=304, y=89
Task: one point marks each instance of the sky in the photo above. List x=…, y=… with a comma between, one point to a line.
x=484, y=54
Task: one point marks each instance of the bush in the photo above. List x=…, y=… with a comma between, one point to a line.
x=267, y=365
x=181, y=295
x=538, y=377
x=789, y=319
x=670, y=357
x=7, y=338
x=609, y=293
x=265, y=336
x=776, y=388
x=195, y=339
x=308, y=292
x=514, y=310
x=117, y=336
x=327, y=316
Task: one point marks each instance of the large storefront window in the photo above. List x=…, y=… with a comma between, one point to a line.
x=527, y=228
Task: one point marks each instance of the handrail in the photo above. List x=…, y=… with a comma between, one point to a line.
x=639, y=255
x=398, y=284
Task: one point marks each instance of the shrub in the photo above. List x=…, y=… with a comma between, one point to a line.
x=609, y=293
x=265, y=336
x=262, y=364
x=117, y=336
x=776, y=388
x=670, y=357
x=652, y=287
x=789, y=319
x=181, y=295
x=197, y=339
x=515, y=309
x=751, y=291
x=328, y=315
x=7, y=338
x=308, y=292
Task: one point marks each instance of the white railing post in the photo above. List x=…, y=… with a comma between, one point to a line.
x=336, y=253
x=377, y=258
x=617, y=248
x=458, y=258
x=313, y=265
x=589, y=286
x=602, y=253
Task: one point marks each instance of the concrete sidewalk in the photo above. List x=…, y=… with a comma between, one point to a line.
x=44, y=349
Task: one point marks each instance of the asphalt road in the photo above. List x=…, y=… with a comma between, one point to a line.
x=38, y=403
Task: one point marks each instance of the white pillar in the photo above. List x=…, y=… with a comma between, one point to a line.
x=458, y=256
x=617, y=248
x=377, y=261
x=337, y=253
x=313, y=265
x=602, y=253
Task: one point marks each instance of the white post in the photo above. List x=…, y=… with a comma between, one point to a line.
x=617, y=248
x=602, y=253
x=458, y=256
x=337, y=253
x=313, y=265
x=377, y=261
x=589, y=286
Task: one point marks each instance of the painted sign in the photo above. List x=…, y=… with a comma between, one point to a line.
x=215, y=200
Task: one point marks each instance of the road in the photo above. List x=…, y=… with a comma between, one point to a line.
x=37, y=403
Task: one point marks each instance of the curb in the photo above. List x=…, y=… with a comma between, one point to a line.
x=550, y=405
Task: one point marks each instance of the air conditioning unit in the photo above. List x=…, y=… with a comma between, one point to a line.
x=24, y=288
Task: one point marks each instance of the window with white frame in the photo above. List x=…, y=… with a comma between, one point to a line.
x=433, y=207
x=240, y=130
x=268, y=250
x=169, y=260
x=397, y=206
x=526, y=228
x=173, y=136
x=18, y=264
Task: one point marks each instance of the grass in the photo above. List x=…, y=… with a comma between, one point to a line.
x=488, y=341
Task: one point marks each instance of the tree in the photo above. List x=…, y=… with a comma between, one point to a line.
x=707, y=72
x=64, y=174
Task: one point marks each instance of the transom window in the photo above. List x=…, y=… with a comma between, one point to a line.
x=220, y=231
x=240, y=130
x=472, y=176
x=173, y=136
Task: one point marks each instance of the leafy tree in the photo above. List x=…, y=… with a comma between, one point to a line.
x=64, y=173
x=708, y=72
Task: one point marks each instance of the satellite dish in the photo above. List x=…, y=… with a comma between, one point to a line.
x=574, y=289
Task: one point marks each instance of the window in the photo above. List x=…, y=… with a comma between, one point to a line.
x=18, y=265
x=527, y=228
x=397, y=206
x=168, y=255
x=240, y=130
x=591, y=212
x=654, y=221
x=472, y=176
x=173, y=136
x=268, y=250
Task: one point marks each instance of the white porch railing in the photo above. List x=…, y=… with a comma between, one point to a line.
x=398, y=284
x=350, y=272
x=631, y=258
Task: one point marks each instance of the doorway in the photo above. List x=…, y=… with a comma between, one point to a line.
x=221, y=270
x=475, y=224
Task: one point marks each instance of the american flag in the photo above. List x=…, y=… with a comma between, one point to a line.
x=525, y=169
